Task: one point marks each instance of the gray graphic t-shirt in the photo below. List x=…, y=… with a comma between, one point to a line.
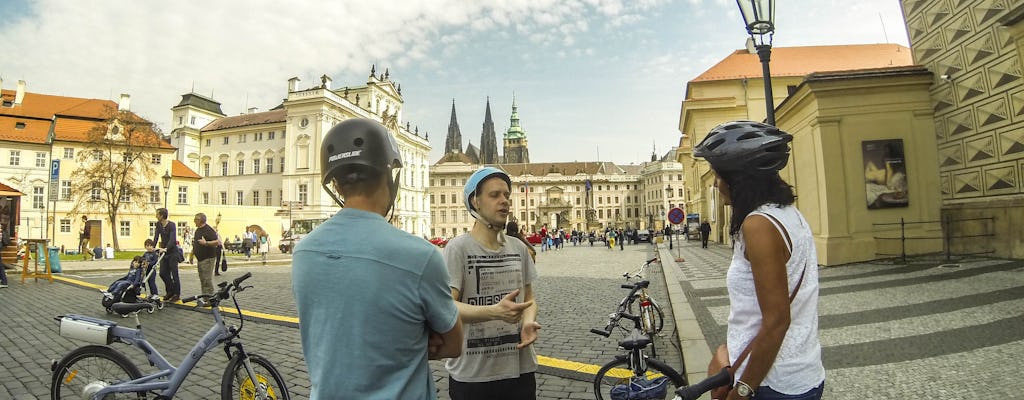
x=484, y=277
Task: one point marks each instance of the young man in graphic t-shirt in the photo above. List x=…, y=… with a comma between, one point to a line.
x=491, y=280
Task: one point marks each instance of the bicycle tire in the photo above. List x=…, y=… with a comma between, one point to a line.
x=604, y=383
x=90, y=368
x=235, y=384
x=659, y=320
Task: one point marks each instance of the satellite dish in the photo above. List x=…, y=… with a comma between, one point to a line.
x=750, y=45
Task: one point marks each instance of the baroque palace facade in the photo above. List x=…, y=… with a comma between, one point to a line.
x=583, y=196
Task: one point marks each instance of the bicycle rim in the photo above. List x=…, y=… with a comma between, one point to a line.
x=618, y=372
x=88, y=369
x=236, y=383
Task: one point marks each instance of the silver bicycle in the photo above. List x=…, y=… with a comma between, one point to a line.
x=101, y=372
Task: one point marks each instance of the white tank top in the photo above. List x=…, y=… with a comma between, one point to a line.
x=797, y=367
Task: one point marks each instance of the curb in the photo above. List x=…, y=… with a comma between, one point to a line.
x=692, y=343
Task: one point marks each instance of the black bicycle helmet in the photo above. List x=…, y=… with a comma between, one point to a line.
x=359, y=142
x=745, y=146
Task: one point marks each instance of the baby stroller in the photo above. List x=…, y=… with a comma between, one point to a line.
x=130, y=289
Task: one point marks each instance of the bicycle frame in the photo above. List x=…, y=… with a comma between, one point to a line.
x=175, y=375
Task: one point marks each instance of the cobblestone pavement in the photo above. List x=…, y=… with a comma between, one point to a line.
x=892, y=331
x=578, y=287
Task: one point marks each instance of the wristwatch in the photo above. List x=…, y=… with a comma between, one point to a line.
x=744, y=389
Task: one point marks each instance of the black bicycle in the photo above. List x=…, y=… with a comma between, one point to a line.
x=634, y=374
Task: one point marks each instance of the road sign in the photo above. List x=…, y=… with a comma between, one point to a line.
x=676, y=215
x=54, y=179
x=54, y=170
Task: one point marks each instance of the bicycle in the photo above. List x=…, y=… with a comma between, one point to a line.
x=102, y=372
x=630, y=373
x=652, y=319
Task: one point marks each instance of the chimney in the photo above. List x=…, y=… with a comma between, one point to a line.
x=20, y=95
x=252, y=110
x=293, y=84
x=124, y=104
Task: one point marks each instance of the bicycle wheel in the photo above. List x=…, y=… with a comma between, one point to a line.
x=88, y=369
x=655, y=320
x=236, y=383
x=618, y=373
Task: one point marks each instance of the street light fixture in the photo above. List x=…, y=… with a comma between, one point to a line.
x=759, y=18
x=167, y=186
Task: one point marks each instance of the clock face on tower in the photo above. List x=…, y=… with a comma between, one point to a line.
x=304, y=122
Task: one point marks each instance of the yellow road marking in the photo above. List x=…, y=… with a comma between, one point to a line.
x=551, y=362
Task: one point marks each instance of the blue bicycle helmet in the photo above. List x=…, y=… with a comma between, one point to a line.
x=745, y=146
x=473, y=185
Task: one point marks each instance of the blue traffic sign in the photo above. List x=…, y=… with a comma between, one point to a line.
x=54, y=169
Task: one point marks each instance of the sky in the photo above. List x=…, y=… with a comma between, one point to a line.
x=593, y=79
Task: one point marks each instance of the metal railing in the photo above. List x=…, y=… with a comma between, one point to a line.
x=947, y=237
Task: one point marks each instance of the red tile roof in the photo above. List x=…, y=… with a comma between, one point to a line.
x=801, y=61
x=74, y=118
x=180, y=170
x=33, y=131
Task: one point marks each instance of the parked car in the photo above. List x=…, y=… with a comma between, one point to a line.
x=439, y=242
x=534, y=238
x=643, y=235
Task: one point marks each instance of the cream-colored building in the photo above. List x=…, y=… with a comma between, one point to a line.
x=582, y=196
x=846, y=106
x=975, y=49
x=264, y=167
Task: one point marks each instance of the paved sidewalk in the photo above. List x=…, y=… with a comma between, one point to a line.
x=890, y=331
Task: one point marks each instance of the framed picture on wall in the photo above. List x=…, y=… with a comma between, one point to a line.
x=885, y=173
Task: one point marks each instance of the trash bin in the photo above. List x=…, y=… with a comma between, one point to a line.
x=54, y=259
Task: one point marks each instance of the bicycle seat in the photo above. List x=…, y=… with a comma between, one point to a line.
x=635, y=341
x=125, y=308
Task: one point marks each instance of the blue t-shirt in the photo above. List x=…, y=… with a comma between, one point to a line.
x=366, y=293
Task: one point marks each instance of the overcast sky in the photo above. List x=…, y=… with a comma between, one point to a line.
x=594, y=79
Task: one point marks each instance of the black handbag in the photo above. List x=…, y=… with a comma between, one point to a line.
x=224, y=264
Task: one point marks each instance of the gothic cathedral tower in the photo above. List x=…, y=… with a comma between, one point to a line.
x=488, y=139
x=516, y=150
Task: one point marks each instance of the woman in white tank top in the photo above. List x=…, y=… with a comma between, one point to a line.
x=772, y=342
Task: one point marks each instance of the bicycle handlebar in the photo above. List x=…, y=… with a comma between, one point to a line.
x=600, y=332
x=224, y=289
x=692, y=392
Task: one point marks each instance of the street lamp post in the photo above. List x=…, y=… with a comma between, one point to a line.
x=668, y=224
x=759, y=18
x=167, y=186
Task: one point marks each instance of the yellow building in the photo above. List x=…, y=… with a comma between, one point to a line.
x=854, y=110
x=975, y=49
x=37, y=130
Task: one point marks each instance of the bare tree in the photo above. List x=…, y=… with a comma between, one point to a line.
x=115, y=170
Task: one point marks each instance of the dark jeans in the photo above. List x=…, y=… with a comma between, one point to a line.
x=704, y=241
x=169, y=273
x=522, y=388
x=3, y=274
x=766, y=393
x=151, y=280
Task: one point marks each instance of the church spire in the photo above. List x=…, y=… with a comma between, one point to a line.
x=453, y=143
x=516, y=145
x=488, y=139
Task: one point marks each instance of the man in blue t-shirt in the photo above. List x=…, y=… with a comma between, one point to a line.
x=373, y=301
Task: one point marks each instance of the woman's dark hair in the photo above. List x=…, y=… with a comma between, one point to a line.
x=749, y=191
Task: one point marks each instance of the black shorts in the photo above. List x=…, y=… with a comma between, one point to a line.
x=522, y=388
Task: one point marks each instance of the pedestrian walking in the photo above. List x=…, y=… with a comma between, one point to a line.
x=705, y=233
x=772, y=344
x=83, y=240
x=3, y=268
x=165, y=235
x=356, y=256
x=498, y=360
x=205, y=247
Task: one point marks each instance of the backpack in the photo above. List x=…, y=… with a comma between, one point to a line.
x=641, y=388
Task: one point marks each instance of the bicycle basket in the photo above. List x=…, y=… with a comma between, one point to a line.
x=641, y=388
